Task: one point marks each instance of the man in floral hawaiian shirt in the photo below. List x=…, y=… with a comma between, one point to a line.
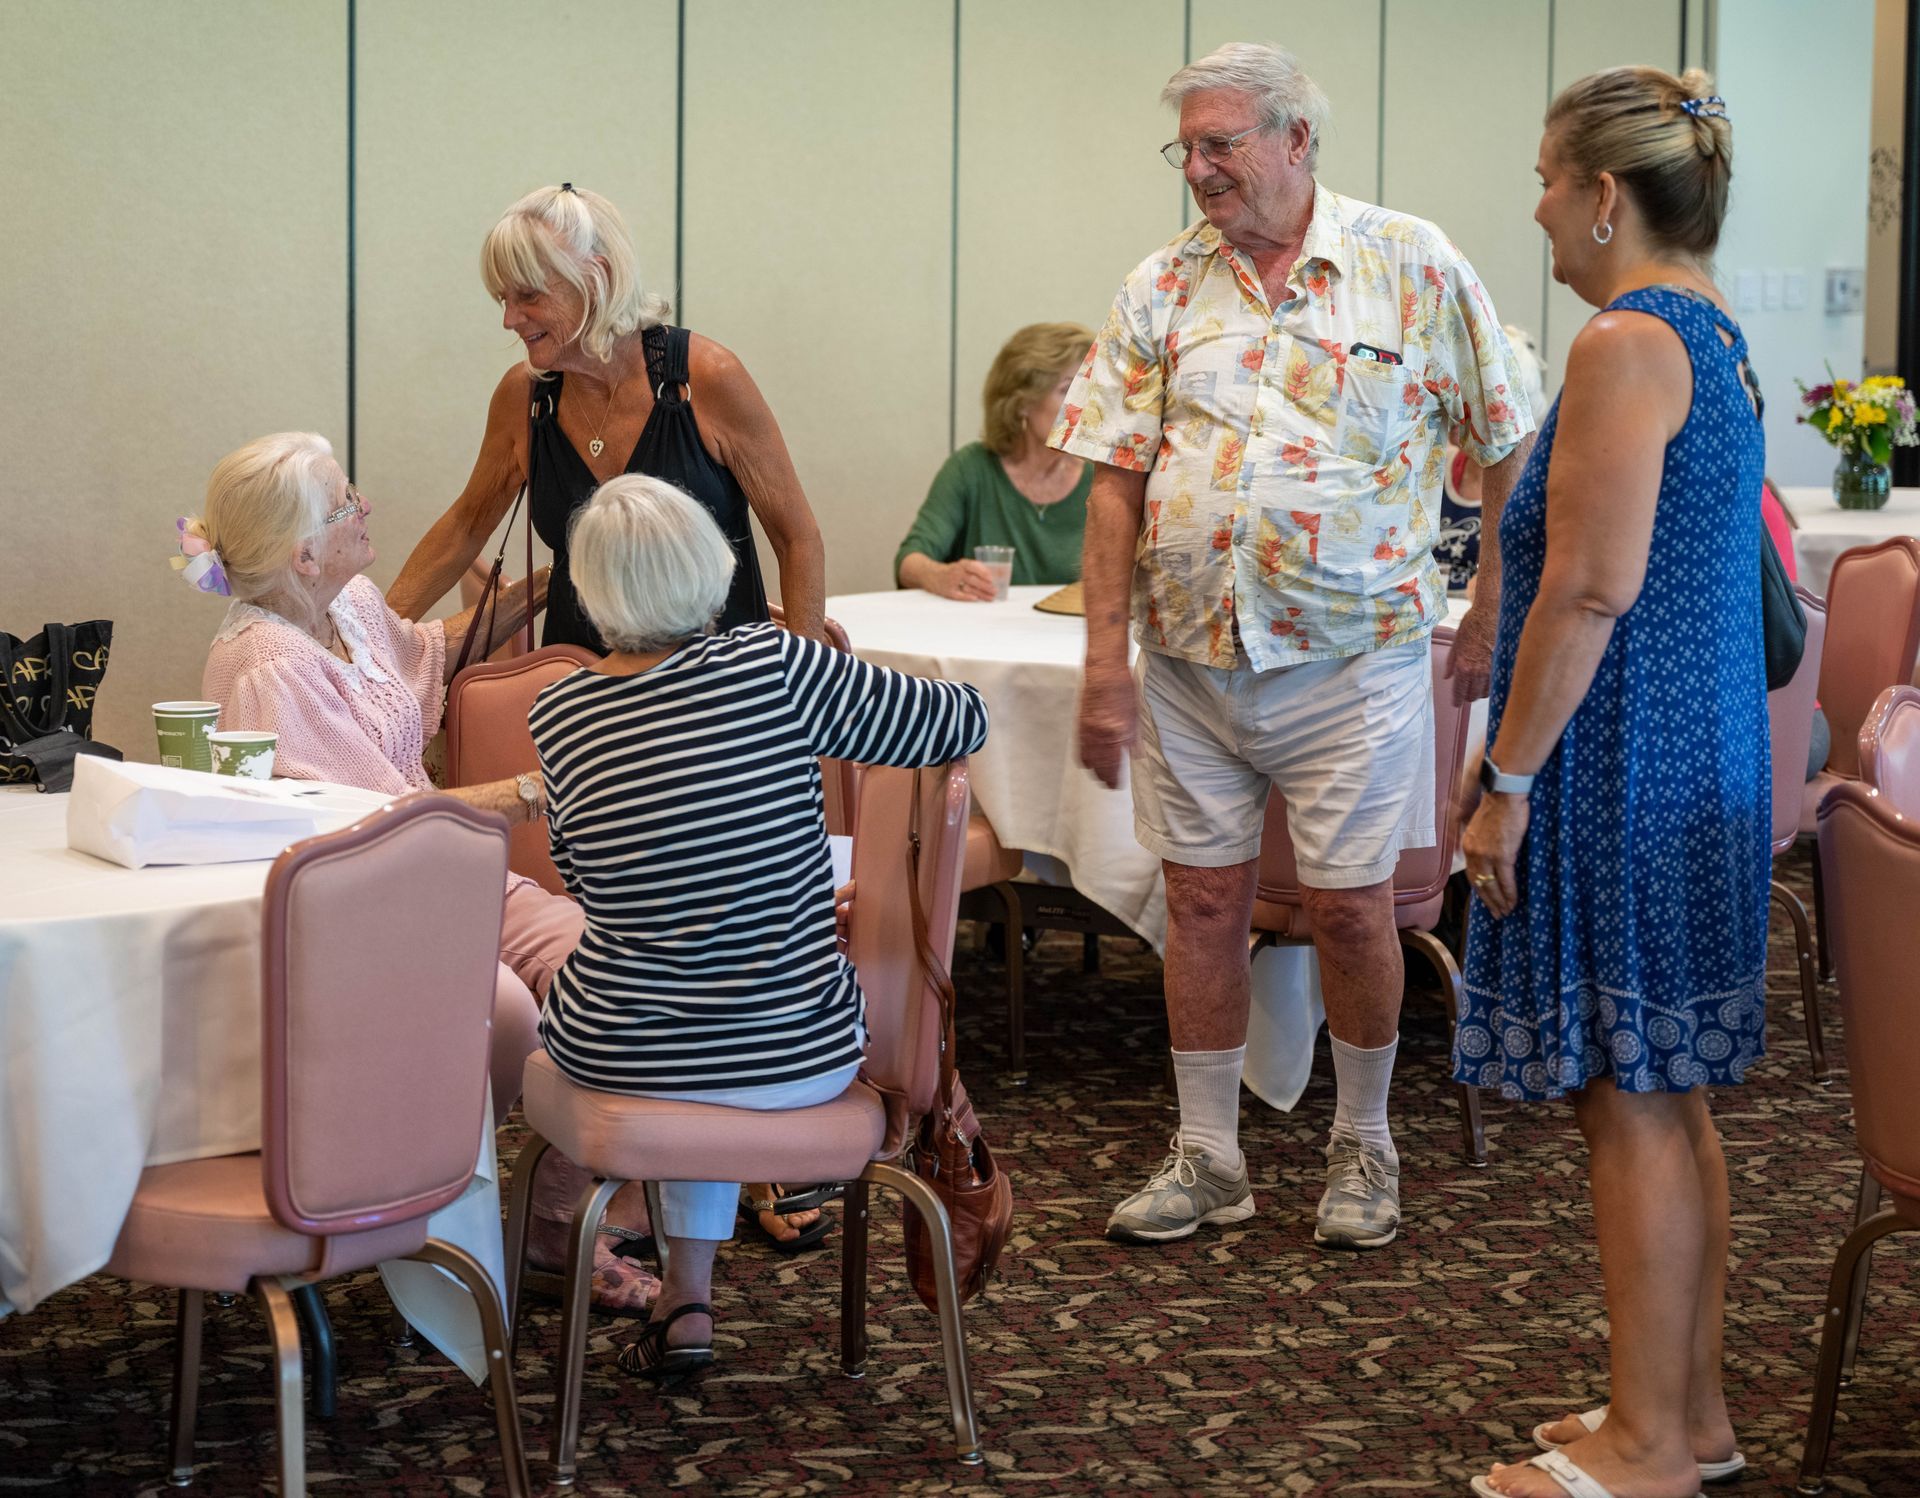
x=1269, y=405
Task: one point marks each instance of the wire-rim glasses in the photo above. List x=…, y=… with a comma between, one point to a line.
x=1213, y=149
x=355, y=505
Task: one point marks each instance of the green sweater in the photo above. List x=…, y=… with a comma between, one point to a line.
x=973, y=503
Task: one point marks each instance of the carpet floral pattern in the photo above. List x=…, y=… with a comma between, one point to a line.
x=1243, y=1360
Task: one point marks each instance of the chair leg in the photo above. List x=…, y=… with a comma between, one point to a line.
x=313, y=1316
x=1090, y=954
x=399, y=1331
x=953, y=1336
x=1824, y=953
x=493, y=1332
x=519, y=1209
x=587, y=1213
x=853, y=1279
x=1473, y=1134
x=186, y=1384
x=1826, y=1386
x=1016, y=986
x=1866, y=1204
x=1809, y=985
x=283, y=1325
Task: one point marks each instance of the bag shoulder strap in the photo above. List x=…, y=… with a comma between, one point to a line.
x=936, y=970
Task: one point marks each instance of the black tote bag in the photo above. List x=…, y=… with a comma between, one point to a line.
x=46, y=711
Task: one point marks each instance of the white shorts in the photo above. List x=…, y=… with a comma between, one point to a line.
x=1347, y=742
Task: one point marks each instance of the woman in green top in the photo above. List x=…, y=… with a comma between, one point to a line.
x=1010, y=489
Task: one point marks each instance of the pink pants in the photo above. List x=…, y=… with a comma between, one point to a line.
x=537, y=931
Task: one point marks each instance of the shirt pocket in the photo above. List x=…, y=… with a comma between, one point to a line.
x=1380, y=407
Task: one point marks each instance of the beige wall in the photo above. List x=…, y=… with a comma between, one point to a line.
x=1883, y=221
x=177, y=248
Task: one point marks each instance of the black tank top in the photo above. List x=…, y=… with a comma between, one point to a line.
x=559, y=482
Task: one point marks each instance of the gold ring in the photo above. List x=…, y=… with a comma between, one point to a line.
x=1484, y=879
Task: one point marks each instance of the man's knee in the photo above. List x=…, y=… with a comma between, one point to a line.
x=1351, y=917
x=1211, y=902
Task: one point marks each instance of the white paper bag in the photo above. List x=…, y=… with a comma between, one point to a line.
x=135, y=815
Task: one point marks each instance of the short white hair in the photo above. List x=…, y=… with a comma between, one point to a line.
x=649, y=563
x=264, y=502
x=1270, y=75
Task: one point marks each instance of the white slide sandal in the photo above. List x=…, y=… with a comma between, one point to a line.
x=1719, y=1471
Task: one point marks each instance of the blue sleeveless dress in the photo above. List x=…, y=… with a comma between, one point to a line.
x=1638, y=950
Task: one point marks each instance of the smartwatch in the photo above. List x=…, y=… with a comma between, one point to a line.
x=1499, y=782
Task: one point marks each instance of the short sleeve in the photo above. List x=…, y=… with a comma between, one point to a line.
x=1471, y=368
x=939, y=528
x=1113, y=411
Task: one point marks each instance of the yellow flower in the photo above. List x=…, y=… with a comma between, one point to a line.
x=1866, y=416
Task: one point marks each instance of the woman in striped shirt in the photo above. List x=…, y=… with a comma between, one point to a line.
x=685, y=814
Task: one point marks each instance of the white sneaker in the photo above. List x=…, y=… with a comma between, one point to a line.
x=1361, y=1206
x=1187, y=1190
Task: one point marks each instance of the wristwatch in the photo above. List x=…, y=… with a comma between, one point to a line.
x=1498, y=781
x=530, y=792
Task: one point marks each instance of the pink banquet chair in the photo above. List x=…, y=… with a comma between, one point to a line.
x=1790, y=728
x=373, y=1095
x=1871, y=852
x=1419, y=879
x=1873, y=634
x=1890, y=749
x=855, y=1138
x=488, y=738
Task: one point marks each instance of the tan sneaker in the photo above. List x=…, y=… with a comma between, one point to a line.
x=1361, y=1206
x=1187, y=1190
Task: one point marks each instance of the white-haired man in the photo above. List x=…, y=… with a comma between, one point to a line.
x=1269, y=404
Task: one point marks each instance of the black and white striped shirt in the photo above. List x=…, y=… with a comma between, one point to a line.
x=686, y=818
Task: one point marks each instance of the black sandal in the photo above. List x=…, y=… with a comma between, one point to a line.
x=631, y=1245
x=651, y=1358
x=811, y=1236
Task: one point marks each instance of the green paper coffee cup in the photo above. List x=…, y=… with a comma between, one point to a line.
x=183, y=728
x=246, y=752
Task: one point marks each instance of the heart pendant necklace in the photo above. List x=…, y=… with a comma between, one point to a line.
x=595, y=444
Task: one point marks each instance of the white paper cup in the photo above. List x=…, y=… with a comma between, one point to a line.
x=182, y=728
x=245, y=752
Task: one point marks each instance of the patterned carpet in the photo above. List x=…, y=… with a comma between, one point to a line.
x=1237, y=1361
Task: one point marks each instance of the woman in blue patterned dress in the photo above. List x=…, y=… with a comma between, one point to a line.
x=1620, y=858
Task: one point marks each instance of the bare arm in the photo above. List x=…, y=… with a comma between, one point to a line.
x=454, y=540
x=512, y=607
x=503, y=796
x=739, y=430
x=1471, y=664
x=962, y=578
x=1108, y=712
x=1627, y=391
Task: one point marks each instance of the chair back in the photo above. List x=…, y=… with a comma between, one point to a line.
x=1790, y=726
x=379, y=947
x=1420, y=877
x=488, y=738
x=1870, y=867
x=839, y=778
x=1890, y=749
x=903, y=1006
x=1873, y=632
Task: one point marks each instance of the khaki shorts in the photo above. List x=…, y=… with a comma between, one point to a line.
x=1348, y=743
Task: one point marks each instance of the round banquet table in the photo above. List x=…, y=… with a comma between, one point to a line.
x=1824, y=530
x=130, y=1036
x=1028, y=782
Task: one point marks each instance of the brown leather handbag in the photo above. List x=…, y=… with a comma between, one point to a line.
x=948, y=1151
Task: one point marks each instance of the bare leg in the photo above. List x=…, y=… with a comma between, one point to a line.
x=1650, y=1215
x=688, y=1281
x=1361, y=970
x=1209, y=913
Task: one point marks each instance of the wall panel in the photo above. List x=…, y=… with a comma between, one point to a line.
x=817, y=243
x=174, y=265
x=1465, y=90
x=463, y=107
x=1061, y=190
x=1344, y=59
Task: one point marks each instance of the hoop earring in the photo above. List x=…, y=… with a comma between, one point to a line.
x=1598, y=237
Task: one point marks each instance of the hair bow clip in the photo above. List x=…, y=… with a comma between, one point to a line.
x=1711, y=108
x=567, y=187
x=199, y=563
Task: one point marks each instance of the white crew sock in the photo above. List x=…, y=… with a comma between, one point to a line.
x=1209, y=1086
x=1361, y=1079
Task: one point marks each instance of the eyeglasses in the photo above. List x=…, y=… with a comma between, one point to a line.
x=1213, y=149
x=355, y=505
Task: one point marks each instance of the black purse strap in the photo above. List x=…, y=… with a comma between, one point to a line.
x=487, y=610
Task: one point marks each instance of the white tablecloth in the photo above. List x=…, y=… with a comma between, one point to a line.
x=1825, y=530
x=1028, y=782
x=130, y=1036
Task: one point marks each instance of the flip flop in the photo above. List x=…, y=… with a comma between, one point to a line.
x=809, y=1237
x=1563, y=1470
x=1720, y=1471
x=632, y=1244
x=651, y=1358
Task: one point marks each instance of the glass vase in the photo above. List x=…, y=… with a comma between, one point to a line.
x=1859, y=483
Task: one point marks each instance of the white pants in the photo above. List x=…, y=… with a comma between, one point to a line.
x=706, y=1209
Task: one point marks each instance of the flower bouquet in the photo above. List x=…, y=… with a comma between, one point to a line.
x=1865, y=421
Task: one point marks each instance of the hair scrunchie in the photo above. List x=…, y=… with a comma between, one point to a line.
x=199, y=563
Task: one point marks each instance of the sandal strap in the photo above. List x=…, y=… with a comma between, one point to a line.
x=650, y=1347
x=1570, y=1475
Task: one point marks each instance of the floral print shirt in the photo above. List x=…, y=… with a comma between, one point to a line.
x=1294, y=456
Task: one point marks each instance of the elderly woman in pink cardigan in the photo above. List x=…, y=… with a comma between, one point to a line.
x=310, y=650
